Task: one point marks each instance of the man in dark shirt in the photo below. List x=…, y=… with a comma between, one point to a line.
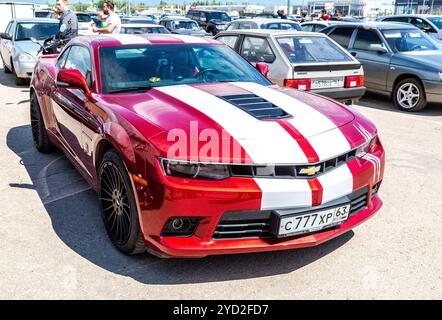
x=68, y=25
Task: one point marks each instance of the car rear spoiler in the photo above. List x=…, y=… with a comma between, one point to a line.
x=326, y=67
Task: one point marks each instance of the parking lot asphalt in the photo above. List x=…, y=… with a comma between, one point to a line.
x=53, y=244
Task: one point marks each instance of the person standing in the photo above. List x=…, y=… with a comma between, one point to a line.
x=324, y=15
x=68, y=23
x=113, y=21
x=281, y=14
x=303, y=17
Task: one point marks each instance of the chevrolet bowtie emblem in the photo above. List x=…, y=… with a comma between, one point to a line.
x=310, y=170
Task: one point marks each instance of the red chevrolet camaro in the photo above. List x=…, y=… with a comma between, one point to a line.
x=193, y=152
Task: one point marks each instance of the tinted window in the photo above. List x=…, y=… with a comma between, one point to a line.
x=421, y=24
x=84, y=18
x=312, y=49
x=397, y=19
x=364, y=38
x=342, y=36
x=257, y=50
x=79, y=58
x=39, y=31
x=183, y=24
x=308, y=27
x=218, y=16
x=163, y=65
x=228, y=40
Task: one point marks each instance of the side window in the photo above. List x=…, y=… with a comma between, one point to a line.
x=62, y=59
x=397, y=19
x=168, y=25
x=228, y=40
x=342, y=36
x=318, y=28
x=233, y=26
x=421, y=24
x=308, y=27
x=257, y=49
x=84, y=18
x=8, y=28
x=365, y=38
x=79, y=58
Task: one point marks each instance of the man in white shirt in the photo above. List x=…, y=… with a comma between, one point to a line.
x=113, y=22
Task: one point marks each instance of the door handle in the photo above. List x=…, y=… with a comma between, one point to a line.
x=354, y=54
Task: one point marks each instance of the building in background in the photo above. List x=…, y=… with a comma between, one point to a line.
x=418, y=6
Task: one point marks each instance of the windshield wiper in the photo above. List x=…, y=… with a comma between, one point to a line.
x=130, y=89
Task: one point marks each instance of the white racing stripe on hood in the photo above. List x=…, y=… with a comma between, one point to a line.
x=326, y=139
x=337, y=183
x=128, y=38
x=264, y=141
x=188, y=38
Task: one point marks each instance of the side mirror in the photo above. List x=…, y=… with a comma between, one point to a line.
x=263, y=68
x=5, y=36
x=379, y=48
x=73, y=79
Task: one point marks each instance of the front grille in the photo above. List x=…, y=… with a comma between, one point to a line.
x=257, y=224
x=256, y=106
x=291, y=171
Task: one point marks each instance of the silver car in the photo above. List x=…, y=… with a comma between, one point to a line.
x=18, y=52
x=260, y=23
x=301, y=60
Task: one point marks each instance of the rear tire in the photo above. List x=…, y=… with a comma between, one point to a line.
x=118, y=206
x=39, y=134
x=409, y=95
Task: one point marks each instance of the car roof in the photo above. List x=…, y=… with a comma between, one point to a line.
x=176, y=18
x=266, y=20
x=207, y=10
x=36, y=20
x=377, y=25
x=271, y=32
x=419, y=15
x=140, y=25
x=132, y=39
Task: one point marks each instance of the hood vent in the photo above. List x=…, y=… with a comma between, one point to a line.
x=256, y=106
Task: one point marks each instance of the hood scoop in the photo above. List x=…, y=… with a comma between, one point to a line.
x=256, y=106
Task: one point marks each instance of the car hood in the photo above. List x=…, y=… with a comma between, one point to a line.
x=431, y=59
x=202, y=109
x=28, y=46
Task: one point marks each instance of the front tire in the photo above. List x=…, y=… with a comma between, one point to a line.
x=409, y=95
x=18, y=81
x=39, y=134
x=118, y=206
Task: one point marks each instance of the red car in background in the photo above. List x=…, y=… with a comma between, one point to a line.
x=193, y=152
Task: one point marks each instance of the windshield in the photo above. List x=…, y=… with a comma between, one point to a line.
x=312, y=49
x=281, y=26
x=405, y=40
x=190, y=25
x=39, y=31
x=218, y=16
x=163, y=65
x=437, y=21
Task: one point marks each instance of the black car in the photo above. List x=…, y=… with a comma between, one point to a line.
x=213, y=21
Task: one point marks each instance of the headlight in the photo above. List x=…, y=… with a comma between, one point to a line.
x=26, y=57
x=367, y=147
x=194, y=170
x=221, y=26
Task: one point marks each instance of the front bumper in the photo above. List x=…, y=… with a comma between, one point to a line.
x=210, y=200
x=342, y=94
x=24, y=69
x=433, y=91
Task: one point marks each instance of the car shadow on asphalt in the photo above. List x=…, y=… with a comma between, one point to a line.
x=383, y=102
x=72, y=207
x=8, y=80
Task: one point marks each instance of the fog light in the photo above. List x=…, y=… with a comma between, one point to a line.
x=180, y=226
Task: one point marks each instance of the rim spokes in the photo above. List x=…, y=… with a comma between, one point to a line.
x=115, y=204
x=408, y=95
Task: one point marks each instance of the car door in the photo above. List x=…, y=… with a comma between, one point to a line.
x=73, y=111
x=376, y=64
x=6, y=45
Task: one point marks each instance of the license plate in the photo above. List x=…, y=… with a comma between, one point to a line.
x=313, y=221
x=327, y=83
